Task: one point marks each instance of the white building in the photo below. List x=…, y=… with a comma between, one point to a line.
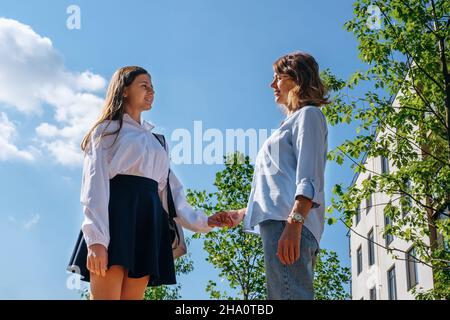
x=375, y=273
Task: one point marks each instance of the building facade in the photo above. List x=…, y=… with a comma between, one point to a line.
x=375, y=272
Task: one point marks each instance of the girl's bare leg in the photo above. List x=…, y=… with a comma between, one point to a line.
x=108, y=287
x=133, y=288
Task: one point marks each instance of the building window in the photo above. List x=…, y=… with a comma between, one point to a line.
x=411, y=269
x=384, y=165
x=373, y=293
x=368, y=203
x=388, y=236
x=392, y=284
x=371, y=246
x=359, y=260
x=357, y=215
x=406, y=202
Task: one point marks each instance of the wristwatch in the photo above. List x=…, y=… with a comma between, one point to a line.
x=296, y=217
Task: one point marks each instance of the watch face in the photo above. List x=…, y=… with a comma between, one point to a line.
x=297, y=216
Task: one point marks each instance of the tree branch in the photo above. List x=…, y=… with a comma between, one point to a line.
x=413, y=143
x=407, y=50
x=378, y=174
x=427, y=103
x=405, y=3
x=387, y=248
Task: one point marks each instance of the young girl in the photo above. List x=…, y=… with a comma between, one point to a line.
x=124, y=244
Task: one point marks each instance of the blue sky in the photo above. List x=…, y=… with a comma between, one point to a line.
x=209, y=61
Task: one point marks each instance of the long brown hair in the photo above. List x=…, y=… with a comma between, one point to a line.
x=304, y=70
x=113, y=107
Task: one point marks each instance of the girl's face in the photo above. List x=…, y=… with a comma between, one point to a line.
x=281, y=85
x=139, y=94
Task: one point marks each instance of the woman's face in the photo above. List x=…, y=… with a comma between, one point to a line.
x=139, y=94
x=281, y=85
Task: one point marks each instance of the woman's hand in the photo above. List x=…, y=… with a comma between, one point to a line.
x=215, y=220
x=236, y=216
x=289, y=243
x=229, y=219
x=97, y=259
x=219, y=219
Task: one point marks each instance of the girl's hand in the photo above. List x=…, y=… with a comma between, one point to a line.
x=97, y=259
x=229, y=219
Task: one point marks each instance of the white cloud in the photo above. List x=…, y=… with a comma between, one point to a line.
x=26, y=224
x=8, y=134
x=89, y=81
x=66, y=178
x=33, y=77
x=47, y=130
x=66, y=152
x=34, y=219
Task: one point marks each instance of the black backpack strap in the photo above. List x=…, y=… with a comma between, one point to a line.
x=161, y=139
x=170, y=202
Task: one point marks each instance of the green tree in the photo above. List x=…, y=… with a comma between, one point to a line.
x=330, y=277
x=405, y=97
x=183, y=265
x=239, y=256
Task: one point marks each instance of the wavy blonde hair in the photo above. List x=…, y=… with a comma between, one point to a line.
x=304, y=70
x=113, y=107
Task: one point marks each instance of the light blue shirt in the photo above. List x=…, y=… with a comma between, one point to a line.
x=291, y=162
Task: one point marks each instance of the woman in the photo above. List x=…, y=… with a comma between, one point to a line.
x=287, y=196
x=124, y=243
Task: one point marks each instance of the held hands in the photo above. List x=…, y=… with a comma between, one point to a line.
x=97, y=259
x=229, y=219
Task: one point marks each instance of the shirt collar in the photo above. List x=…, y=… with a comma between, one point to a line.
x=291, y=115
x=147, y=126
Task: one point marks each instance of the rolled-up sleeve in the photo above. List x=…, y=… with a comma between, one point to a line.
x=95, y=193
x=308, y=139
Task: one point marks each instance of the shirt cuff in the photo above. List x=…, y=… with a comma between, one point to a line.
x=307, y=188
x=204, y=228
x=91, y=239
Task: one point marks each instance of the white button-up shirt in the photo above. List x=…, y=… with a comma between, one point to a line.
x=136, y=152
x=291, y=162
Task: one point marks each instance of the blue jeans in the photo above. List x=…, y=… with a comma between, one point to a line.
x=288, y=282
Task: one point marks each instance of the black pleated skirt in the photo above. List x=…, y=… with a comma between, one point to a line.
x=139, y=233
